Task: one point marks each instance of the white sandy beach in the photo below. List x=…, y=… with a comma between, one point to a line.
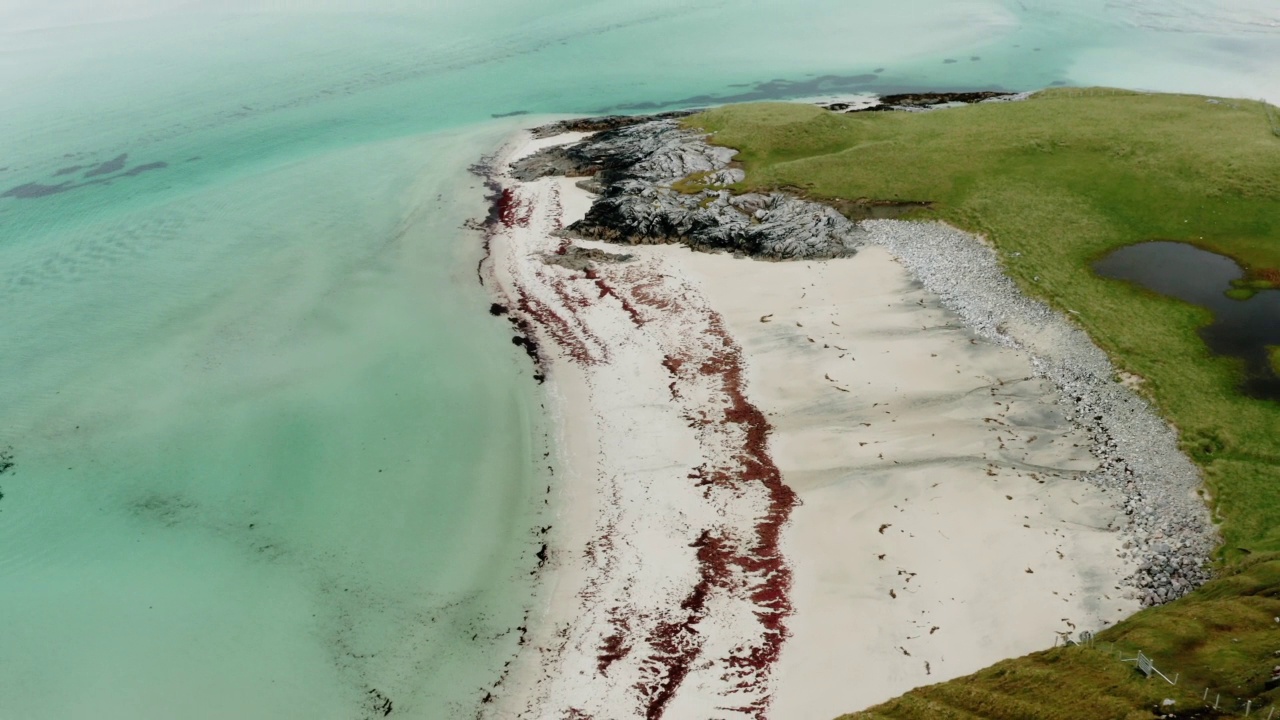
x=907, y=514
x=934, y=474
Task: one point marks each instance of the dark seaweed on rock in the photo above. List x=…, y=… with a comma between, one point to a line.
x=580, y=258
x=601, y=124
x=925, y=101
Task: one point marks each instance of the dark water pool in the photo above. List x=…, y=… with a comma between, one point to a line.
x=1240, y=328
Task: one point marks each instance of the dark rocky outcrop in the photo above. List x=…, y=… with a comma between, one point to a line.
x=926, y=101
x=634, y=169
x=603, y=123
x=580, y=258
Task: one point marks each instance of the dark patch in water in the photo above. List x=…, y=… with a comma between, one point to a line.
x=144, y=168
x=168, y=509
x=115, y=164
x=1241, y=328
x=948, y=61
x=878, y=70
x=379, y=704
x=193, y=159
x=36, y=190
x=6, y=460
x=513, y=113
x=32, y=190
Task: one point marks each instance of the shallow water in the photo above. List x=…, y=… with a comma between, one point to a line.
x=1241, y=328
x=270, y=451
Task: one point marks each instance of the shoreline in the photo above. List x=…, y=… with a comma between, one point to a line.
x=637, y=556
x=665, y=552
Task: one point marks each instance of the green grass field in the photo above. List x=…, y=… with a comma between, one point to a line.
x=1055, y=183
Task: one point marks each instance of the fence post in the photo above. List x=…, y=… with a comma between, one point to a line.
x=1273, y=712
x=1206, y=695
x=1248, y=707
x=1216, y=698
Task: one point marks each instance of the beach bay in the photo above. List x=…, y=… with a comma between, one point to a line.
x=272, y=456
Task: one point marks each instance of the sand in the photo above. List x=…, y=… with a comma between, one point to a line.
x=784, y=489
x=931, y=487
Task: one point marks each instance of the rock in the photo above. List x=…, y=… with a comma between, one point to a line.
x=580, y=258
x=916, y=102
x=635, y=168
x=601, y=124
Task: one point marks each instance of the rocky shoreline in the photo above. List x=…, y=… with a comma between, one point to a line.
x=1168, y=529
x=919, y=102
x=635, y=169
x=660, y=183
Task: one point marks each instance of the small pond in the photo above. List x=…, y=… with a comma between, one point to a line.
x=1240, y=328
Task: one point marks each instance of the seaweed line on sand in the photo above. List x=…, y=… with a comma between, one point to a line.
x=737, y=561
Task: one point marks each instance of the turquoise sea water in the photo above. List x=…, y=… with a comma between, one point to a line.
x=270, y=452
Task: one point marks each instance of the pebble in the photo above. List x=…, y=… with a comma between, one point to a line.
x=1167, y=528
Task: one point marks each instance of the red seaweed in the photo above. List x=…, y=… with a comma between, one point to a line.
x=607, y=291
x=754, y=566
x=615, y=647
x=744, y=563
x=514, y=211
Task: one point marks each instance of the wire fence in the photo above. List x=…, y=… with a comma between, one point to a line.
x=1225, y=704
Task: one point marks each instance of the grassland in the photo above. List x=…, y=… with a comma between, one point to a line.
x=1055, y=183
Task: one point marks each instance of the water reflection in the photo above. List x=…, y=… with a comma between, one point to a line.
x=1240, y=328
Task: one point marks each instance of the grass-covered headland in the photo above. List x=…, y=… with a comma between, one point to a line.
x=1055, y=183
